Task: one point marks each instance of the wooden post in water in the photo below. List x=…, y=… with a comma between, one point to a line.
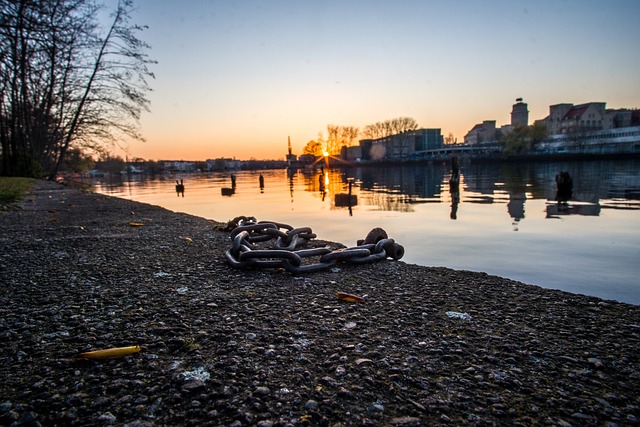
x=454, y=187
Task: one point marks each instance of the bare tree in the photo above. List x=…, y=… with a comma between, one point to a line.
x=313, y=147
x=65, y=83
x=349, y=134
x=333, y=139
x=450, y=139
x=389, y=127
x=340, y=136
x=402, y=124
x=373, y=131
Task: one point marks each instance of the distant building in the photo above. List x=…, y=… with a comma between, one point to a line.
x=179, y=166
x=407, y=145
x=487, y=133
x=222, y=164
x=482, y=133
x=589, y=117
x=569, y=118
x=519, y=114
x=353, y=154
x=292, y=159
x=307, y=159
x=623, y=140
x=624, y=117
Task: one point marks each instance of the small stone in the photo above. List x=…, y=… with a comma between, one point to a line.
x=457, y=315
x=193, y=385
x=107, y=418
x=408, y=421
x=5, y=407
x=261, y=391
x=124, y=399
x=141, y=399
x=10, y=416
x=27, y=418
x=581, y=417
x=311, y=405
x=328, y=381
x=100, y=401
x=345, y=394
x=417, y=405
x=595, y=362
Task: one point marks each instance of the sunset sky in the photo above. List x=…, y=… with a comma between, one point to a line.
x=236, y=78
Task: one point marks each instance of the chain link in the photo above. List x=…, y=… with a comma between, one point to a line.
x=249, y=238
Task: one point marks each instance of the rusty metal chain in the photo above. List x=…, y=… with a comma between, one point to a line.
x=247, y=233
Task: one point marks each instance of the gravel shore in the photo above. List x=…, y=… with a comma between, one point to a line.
x=219, y=346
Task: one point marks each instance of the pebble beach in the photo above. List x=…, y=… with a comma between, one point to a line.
x=219, y=346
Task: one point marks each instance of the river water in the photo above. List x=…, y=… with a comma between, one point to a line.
x=503, y=219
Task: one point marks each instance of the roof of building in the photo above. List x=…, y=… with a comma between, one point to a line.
x=576, y=111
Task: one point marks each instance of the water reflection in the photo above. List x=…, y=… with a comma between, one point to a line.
x=348, y=200
x=229, y=191
x=180, y=188
x=584, y=188
x=465, y=226
x=594, y=186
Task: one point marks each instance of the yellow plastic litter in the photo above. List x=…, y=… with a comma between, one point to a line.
x=110, y=353
x=348, y=297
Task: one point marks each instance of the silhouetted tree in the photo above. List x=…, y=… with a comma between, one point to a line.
x=524, y=138
x=333, y=139
x=516, y=141
x=374, y=131
x=389, y=127
x=340, y=136
x=65, y=83
x=538, y=132
x=313, y=147
x=76, y=161
x=113, y=165
x=402, y=124
x=349, y=134
x=450, y=139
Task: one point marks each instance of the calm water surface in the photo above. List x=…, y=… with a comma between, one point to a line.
x=503, y=221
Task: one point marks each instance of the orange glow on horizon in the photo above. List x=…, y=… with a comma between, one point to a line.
x=228, y=87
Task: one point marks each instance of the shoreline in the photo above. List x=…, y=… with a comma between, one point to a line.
x=263, y=347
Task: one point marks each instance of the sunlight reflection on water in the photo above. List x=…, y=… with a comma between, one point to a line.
x=506, y=221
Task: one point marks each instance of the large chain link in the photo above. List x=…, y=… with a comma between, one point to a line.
x=249, y=238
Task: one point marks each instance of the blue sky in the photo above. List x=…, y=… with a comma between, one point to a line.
x=236, y=78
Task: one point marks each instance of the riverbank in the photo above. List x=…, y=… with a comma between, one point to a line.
x=430, y=346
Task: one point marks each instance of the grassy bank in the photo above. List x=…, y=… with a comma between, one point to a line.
x=12, y=189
